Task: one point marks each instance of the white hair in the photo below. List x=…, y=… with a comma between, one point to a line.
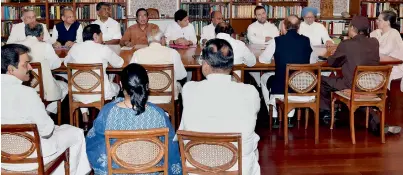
x=154, y=37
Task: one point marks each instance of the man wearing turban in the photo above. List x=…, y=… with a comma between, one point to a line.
x=316, y=32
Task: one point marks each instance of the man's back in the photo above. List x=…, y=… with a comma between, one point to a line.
x=220, y=105
x=291, y=48
x=358, y=51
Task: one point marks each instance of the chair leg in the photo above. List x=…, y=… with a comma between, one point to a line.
x=306, y=117
x=298, y=115
x=271, y=116
x=59, y=112
x=382, y=126
x=366, y=117
x=77, y=120
x=352, y=129
x=285, y=125
x=317, y=126
x=71, y=114
x=332, y=113
x=67, y=162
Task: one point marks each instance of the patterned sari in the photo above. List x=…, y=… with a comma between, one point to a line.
x=113, y=117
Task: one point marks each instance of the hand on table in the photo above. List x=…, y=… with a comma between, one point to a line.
x=180, y=41
x=69, y=44
x=57, y=45
x=329, y=43
x=128, y=44
x=268, y=38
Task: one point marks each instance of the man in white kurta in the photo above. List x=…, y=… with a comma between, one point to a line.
x=21, y=105
x=157, y=54
x=261, y=31
x=91, y=51
x=208, y=32
x=316, y=32
x=219, y=105
x=110, y=28
x=181, y=32
x=242, y=54
x=18, y=30
x=45, y=54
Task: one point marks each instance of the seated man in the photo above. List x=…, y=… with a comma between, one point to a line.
x=21, y=105
x=92, y=51
x=357, y=51
x=110, y=27
x=291, y=48
x=315, y=31
x=181, y=32
x=137, y=33
x=242, y=54
x=43, y=53
x=208, y=32
x=220, y=105
x=68, y=32
x=18, y=30
x=158, y=54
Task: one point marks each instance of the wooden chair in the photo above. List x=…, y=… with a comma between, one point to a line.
x=84, y=79
x=17, y=147
x=162, y=85
x=210, y=153
x=153, y=13
x=305, y=82
x=369, y=88
x=235, y=76
x=36, y=82
x=139, y=151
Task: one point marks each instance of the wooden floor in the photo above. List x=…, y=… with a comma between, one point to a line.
x=335, y=154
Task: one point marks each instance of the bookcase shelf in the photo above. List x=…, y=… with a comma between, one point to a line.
x=45, y=8
x=372, y=9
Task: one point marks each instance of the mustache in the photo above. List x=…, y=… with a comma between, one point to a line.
x=29, y=71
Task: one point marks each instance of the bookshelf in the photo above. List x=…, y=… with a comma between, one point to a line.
x=372, y=9
x=48, y=12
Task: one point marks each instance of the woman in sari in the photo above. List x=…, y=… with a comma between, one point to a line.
x=390, y=41
x=130, y=113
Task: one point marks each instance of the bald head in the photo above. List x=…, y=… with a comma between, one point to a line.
x=292, y=22
x=224, y=27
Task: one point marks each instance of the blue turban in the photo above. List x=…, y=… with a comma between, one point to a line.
x=305, y=10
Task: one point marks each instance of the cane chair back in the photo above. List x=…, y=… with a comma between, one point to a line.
x=85, y=79
x=139, y=151
x=303, y=80
x=369, y=89
x=19, y=147
x=208, y=153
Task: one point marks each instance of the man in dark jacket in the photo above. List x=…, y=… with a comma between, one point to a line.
x=359, y=50
x=291, y=48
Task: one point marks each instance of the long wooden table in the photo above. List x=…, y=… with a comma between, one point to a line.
x=191, y=63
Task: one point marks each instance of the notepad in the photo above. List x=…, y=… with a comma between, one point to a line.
x=126, y=48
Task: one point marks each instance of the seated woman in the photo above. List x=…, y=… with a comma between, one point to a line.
x=390, y=42
x=130, y=113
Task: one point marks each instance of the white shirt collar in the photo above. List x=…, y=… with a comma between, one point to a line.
x=10, y=79
x=155, y=44
x=224, y=36
x=32, y=38
x=257, y=22
x=218, y=77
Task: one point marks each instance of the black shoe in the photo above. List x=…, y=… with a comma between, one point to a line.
x=326, y=117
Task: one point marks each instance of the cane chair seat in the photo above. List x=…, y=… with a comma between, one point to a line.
x=367, y=97
x=32, y=172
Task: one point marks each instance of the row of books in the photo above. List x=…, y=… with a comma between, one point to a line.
x=6, y=28
x=401, y=25
x=335, y=27
x=198, y=25
x=55, y=11
x=254, y=1
x=282, y=11
x=64, y=1
x=86, y=12
x=205, y=1
x=204, y=10
x=243, y=11
x=283, y=0
x=14, y=13
x=373, y=9
x=401, y=10
x=117, y=11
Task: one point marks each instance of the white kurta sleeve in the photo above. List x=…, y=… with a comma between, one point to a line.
x=249, y=57
x=46, y=35
x=52, y=57
x=204, y=34
x=79, y=36
x=192, y=34
x=38, y=114
x=324, y=34
x=69, y=58
x=55, y=35
x=116, y=33
x=15, y=34
x=169, y=34
x=179, y=68
x=268, y=53
x=253, y=39
x=115, y=60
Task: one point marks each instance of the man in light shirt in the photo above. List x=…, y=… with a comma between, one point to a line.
x=68, y=32
x=291, y=48
x=261, y=31
x=181, y=32
x=45, y=54
x=316, y=32
x=110, y=28
x=158, y=54
x=220, y=105
x=18, y=30
x=208, y=32
x=21, y=105
x=92, y=51
x=242, y=54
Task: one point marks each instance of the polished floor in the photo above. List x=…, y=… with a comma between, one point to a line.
x=335, y=154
